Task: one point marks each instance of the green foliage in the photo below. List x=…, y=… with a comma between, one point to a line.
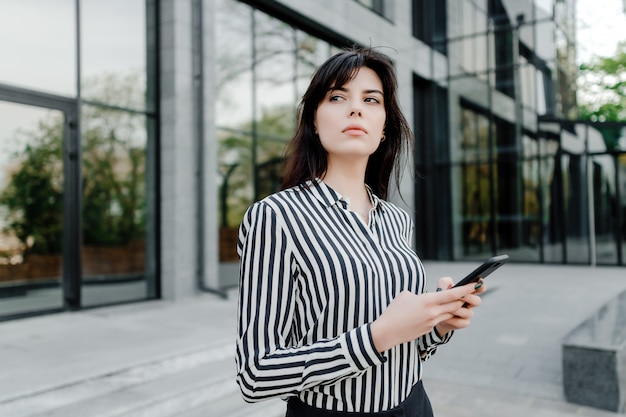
x=34, y=196
x=602, y=92
x=113, y=147
x=274, y=129
x=114, y=184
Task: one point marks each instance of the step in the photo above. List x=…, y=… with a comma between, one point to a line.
x=153, y=389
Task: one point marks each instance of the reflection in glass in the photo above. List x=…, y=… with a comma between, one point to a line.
x=263, y=66
x=531, y=224
x=276, y=46
x=621, y=189
x=44, y=58
x=605, y=208
x=527, y=75
x=476, y=179
x=575, y=208
x=113, y=52
x=31, y=208
x=552, y=219
x=114, y=205
x=233, y=35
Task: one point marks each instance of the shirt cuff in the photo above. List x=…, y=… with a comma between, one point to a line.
x=438, y=339
x=360, y=350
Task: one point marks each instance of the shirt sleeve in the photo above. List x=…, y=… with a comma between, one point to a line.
x=429, y=342
x=269, y=362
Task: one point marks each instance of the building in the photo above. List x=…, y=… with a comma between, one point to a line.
x=135, y=133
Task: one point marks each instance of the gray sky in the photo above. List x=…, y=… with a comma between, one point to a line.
x=601, y=24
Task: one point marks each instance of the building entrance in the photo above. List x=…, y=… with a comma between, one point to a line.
x=39, y=204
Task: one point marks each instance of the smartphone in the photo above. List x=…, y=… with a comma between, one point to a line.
x=485, y=269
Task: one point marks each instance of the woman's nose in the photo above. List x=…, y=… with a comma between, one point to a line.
x=355, y=112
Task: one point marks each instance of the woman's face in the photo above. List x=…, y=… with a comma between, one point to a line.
x=350, y=119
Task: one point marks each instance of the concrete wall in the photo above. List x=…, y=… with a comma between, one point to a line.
x=178, y=252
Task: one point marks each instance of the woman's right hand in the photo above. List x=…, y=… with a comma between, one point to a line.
x=410, y=315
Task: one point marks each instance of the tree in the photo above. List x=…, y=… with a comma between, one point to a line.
x=113, y=168
x=273, y=131
x=602, y=93
x=33, y=199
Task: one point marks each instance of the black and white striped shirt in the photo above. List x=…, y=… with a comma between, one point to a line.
x=313, y=276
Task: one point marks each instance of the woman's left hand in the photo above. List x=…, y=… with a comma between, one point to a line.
x=463, y=315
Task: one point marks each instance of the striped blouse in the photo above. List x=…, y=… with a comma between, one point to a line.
x=313, y=276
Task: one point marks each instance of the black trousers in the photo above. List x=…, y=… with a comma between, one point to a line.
x=416, y=404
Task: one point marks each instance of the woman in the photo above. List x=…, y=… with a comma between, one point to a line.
x=333, y=315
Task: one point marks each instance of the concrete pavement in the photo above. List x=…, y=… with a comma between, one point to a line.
x=508, y=363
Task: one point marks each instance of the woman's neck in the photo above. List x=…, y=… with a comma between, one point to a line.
x=349, y=181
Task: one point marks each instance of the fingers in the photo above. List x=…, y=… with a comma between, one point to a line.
x=472, y=300
x=444, y=283
x=453, y=294
x=464, y=313
x=479, y=289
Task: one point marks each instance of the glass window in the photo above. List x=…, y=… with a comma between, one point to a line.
x=31, y=208
x=381, y=7
x=552, y=218
x=430, y=23
x=530, y=206
x=477, y=181
x=263, y=67
x=114, y=205
x=528, y=77
x=276, y=46
x=621, y=204
x=469, y=48
x=113, y=51
x=38, y=45
x=503, y=48
x=234, y=116
x=39, y=182
x=575, y=208
x=605, y=208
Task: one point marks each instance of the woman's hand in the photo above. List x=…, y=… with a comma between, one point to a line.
x=461, y=317
x=410, y=315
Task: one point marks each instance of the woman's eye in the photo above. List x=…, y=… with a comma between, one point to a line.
x=372, y=100
x=335, y=98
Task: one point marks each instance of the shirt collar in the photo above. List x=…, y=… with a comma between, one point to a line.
x=329, y=197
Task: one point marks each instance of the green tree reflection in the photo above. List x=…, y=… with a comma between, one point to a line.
x=113, y=169
x=33, y=197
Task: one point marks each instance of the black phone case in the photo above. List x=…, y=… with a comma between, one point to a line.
x=484, y=270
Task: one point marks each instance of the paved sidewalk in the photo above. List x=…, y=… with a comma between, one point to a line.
x=508, y=363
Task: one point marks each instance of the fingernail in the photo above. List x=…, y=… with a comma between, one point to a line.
x=438, y=289
x=477, y=286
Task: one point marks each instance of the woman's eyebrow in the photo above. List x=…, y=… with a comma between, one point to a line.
x=368, y=91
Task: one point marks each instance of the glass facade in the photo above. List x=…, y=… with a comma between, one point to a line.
x=542, y=192
x=263, y=67
x=31, y=207
x=47, y=43
x=500, y=168
x=383, y=8
x=511, y=186
x=77, y=116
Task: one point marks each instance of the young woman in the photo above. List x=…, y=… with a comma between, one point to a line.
x=333, y=314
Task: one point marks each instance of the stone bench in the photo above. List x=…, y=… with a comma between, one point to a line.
x=594, y=359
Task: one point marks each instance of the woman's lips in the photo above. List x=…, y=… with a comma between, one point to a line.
x=354, y=130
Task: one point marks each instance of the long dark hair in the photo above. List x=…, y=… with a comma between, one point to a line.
x=307, y=159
